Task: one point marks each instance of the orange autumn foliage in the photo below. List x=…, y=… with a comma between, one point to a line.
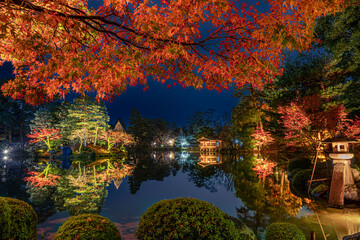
x=38, y=179
x=262, y=137
x=62, y=45
x=263, y=167
x=46, y=135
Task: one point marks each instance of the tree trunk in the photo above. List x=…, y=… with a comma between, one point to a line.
x=282, y=183
x=96, y=134
x=21, y=132
x=10, y=140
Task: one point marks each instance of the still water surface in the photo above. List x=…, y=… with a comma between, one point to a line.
x=228, y=182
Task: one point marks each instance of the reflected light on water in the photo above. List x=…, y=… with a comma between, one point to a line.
x=343, y=222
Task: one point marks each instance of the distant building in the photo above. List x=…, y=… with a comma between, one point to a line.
x=210, y=145
x=118, y=127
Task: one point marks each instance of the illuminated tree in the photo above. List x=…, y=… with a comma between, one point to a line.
x=45, y=135
x=181, y=140
x=351, y=128
x=114, y=137
x=88, y=118
x=247, y=115
x=81, y=134
x=307, y=121
x=46, y=116
x=262, y=137
x=60, y=45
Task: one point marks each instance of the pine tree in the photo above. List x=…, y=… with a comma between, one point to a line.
x=89, y=117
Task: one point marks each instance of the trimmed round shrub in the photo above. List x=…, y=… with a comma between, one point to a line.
x=189, y=218
x=299, y=183
x=284, y=231
x=21, y=217
x=302, y=163
x=88, y=226
x=5, y=223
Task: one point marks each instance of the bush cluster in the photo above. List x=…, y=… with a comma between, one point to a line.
x=299, y=183
x=284, y=231
x=300, y=163
x=88, y=226
x=189, y=218
x=18, y=220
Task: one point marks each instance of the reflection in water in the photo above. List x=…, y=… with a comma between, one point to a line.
x=80, y=189
x=344, y=222
x=209, y=159
x=256, y=202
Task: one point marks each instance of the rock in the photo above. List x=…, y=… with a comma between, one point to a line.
x=356, y=174
x=351, y=193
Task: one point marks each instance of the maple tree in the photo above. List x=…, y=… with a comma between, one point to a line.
x=308, y=121
x=113, y=137
x=60, y=45
x=303, y=106
x=262, y=137
x=45, y=135
x=351, y=128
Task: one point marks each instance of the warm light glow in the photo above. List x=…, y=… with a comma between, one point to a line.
x=5, y=158
x=6, y=151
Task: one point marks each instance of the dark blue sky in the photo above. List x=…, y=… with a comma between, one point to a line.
x=175, y=104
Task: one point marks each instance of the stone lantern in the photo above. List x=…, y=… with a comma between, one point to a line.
x=339, y=152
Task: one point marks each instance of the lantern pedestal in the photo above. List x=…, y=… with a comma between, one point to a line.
x=341, y=177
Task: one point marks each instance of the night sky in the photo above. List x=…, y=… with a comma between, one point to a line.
x=175, y=104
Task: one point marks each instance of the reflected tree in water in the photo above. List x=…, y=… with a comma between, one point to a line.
x=154, y=166
x=81, y=189
x=264, y=201
x=158, y=166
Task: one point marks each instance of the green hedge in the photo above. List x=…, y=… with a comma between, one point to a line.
x=189, y=218
x=88, y=226
x=5, y=213
x=18, y=220
x=284, y=231
x=299, y=183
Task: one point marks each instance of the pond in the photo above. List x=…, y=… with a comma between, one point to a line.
x=228, y=182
